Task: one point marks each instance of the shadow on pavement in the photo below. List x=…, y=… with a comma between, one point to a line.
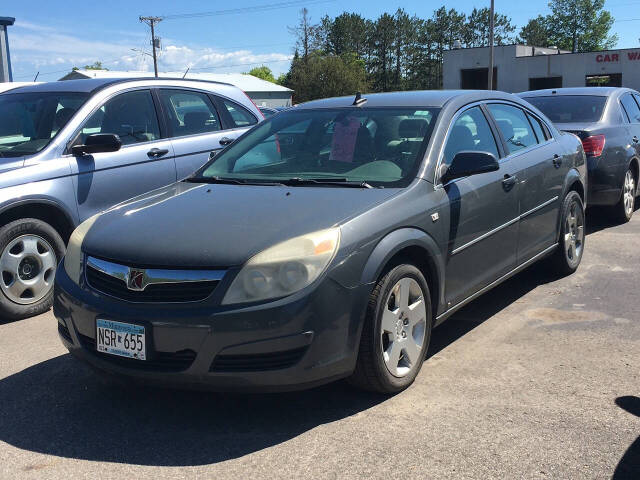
x=629, y=465
x=60, y=407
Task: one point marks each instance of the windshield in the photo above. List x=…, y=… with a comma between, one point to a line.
x=28, y=121
x=570, y=108
x=379, y=146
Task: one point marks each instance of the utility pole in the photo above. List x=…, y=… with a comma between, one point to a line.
x=490, y=78
x=155, y=43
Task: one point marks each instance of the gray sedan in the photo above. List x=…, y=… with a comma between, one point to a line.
x=607, y=120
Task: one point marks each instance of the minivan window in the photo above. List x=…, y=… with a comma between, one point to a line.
x=241, y=116
x=380, y=146
x=189, y=112
x=631, y=108
x=514, y=126
x=470, y=132
x=130, y=115
x=30, y=120
x=570, y=108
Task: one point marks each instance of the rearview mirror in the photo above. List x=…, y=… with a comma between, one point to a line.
x=469, y=163
x=97, y=143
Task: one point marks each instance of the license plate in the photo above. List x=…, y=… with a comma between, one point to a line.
x=122, y=339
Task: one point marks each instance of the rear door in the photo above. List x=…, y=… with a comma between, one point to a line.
x=144, y=162
x=483, y=229
x=541, y=171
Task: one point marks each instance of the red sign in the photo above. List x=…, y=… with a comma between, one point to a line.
x=606, y=57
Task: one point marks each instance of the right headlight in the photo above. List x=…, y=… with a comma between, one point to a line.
x=284, y=268
x=73, y=257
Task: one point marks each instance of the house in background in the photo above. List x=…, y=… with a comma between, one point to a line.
x=262, y=92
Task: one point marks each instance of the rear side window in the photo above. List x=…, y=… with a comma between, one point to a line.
x=631, y=108
x=537, y=128
x=130, y=115
x=514, y=126
x=470, y=132
x=241, y=116
x=189, y=112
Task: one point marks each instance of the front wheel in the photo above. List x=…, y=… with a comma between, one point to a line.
x=572, y=235
x=396, y=333
x=623, y=210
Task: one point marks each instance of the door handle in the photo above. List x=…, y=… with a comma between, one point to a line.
x=557, y=161
x=635, y=139
x=509, y=182
x=157, y=152
x=226, y=141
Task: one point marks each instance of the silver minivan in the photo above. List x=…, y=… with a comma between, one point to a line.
x=71, y=149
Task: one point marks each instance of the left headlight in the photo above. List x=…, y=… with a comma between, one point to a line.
x=284, y=268
x=73, y=257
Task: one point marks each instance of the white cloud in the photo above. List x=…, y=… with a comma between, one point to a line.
x=52, y=52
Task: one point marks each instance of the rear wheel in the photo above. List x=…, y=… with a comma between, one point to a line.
x=572, y=235
x=624, y=209
x=29, y=253
x=396, y=333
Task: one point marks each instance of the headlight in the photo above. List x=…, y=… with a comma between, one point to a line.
x=284, y=268
x=73, y=257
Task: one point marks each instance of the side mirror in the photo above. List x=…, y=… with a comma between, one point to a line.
x=97, y=143
x=469, y=163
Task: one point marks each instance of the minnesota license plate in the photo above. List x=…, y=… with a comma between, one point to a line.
x=122, y=339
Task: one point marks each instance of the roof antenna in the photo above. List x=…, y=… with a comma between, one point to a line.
x=359, y=100
x=186, y=71
x=36, y=77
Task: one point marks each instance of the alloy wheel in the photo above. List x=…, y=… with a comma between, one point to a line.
x=27, y=268
x=629, y=193
x=403, y=327
x=574, y=233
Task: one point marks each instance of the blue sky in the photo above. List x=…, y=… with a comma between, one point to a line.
x=51, y=37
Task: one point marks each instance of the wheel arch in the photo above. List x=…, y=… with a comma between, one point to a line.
x=46, y=210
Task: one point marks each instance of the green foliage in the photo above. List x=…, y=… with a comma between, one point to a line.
x=94, y=66
x=262, y=72
x=476, y=30
x=536, y=32
x=580, y=25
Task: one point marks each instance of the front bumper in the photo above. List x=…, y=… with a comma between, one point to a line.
x=306, y=339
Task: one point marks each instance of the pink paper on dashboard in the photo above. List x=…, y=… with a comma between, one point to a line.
x=343, y=145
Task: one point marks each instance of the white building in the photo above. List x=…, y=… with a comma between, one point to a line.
x=262, y=92
x=519, y=67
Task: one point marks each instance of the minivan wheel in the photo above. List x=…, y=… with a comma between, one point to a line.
x=572, y=235
x=623, y=210
x=396, y=333
x=29, y=253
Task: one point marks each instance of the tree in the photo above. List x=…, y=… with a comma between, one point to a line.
x=263, y=72
x=581, y=25
x=94, y=66
x=322, y=76
x=305, y=34
x=476, y=30
x=536, y=32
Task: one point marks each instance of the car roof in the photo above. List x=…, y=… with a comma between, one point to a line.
x=426, y=98
x=91, y=85
x=590, y=91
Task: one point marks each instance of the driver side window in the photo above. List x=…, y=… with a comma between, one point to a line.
x=131, y=116
x=470, y=132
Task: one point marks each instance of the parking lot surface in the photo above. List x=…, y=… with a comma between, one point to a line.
x=540, y=378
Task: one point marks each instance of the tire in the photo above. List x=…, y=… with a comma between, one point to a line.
x=30, y=250
x=623, y=210
x=568, y=255
x=379, y=367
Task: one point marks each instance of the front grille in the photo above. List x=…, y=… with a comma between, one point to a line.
x=257, y=362
x=64, y=332
x=158, y=361
x=153, y=293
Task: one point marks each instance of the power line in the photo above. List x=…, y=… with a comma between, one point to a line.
x=240, y=64
x=257, y=8
x=155, y=43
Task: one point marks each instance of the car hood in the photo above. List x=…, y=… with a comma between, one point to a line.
x=216, y=225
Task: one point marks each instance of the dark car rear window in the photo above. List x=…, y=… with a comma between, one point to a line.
x=570, y=108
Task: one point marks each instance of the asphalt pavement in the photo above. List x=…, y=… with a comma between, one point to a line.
x=539, y=378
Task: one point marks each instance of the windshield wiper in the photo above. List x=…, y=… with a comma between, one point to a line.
x=336, y=182
x=229, y=181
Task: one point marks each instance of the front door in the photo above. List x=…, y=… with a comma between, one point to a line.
x=144, y=162
x=483, y=228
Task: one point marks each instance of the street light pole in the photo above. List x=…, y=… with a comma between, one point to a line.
x=151, y=21
x=490, y=78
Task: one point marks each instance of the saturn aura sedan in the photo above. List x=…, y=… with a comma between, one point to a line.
x=325, y=243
